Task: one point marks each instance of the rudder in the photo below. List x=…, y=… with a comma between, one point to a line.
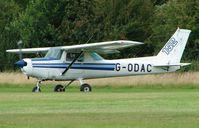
x=172, y=51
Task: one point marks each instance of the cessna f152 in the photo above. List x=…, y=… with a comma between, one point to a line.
x=80, y=62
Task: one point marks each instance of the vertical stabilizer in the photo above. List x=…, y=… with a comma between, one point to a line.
x=172, y=51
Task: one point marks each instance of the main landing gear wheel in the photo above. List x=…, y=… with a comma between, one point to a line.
x=85, y=88
x=59, y=88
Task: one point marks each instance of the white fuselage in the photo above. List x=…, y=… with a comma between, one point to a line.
x=51, y=69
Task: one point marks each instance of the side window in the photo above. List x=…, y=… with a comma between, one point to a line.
x=71, y=57
x=81, y=58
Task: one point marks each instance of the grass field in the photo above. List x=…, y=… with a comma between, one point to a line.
x=106, y=107
x=150, y=105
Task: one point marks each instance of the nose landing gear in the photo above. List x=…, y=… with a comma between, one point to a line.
x=37, y=87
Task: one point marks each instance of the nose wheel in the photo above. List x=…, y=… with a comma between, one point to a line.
x=37, y=87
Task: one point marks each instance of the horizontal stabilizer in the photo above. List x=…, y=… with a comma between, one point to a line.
x=185, y=64
x=171, y=65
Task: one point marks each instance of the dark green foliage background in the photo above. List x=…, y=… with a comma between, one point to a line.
x=44, y=23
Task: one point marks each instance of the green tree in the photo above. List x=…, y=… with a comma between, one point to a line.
x=77, y=25
x=159, y=2
x=34, y=25
x=126, y=19
x=8, y=11
x=168, y=17
x=55, y=22
x=41, y=23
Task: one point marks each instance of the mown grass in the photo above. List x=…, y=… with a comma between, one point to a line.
x=48, y=88
x=167, y=100
x=143, y=106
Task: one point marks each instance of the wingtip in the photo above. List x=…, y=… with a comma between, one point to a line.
x=10, y=50
x=133, y=42
x=138, y=43
x=141, y=42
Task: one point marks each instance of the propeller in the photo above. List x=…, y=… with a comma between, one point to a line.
x=21, y=63
x=19, y=43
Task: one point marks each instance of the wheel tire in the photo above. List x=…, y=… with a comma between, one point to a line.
x=85, y=88
x=59, y=88
x=35, y=89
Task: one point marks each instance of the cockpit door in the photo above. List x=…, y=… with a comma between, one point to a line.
x=77, y=67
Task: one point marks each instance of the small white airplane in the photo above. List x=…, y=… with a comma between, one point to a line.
x=80, y=62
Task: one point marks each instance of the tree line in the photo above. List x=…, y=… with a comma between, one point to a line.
x=46, y=23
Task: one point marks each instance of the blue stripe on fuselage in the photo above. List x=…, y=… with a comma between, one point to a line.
x=84, y=66
x=43, y=59
x=41, y=63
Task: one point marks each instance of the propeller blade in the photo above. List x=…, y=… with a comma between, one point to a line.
x=20, y=47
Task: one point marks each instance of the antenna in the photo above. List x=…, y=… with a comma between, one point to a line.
x=89, y=39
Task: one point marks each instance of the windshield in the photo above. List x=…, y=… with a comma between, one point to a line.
x=95, y=56
x=54, y=53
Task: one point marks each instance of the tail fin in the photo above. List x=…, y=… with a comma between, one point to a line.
x=172, y=51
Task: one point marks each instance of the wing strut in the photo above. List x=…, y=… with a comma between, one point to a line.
x=69, y=66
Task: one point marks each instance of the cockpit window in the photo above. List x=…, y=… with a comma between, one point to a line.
x=71, y=57
x=54, y=53
x=95, y=56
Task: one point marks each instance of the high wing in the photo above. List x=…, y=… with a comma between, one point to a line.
x=101, y=47
x=29, y=50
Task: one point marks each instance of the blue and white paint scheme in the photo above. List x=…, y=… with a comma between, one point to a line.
x=79, y=62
